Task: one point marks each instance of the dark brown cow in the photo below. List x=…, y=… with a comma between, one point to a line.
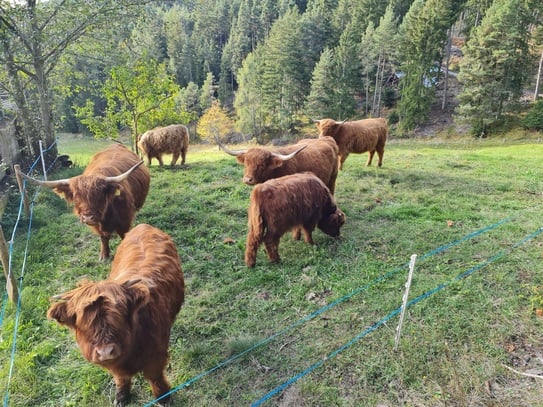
x=123, y=323
x=316, y=155
x=356, y=137
x=173, y=139
x=108, y=193
x=293, y=202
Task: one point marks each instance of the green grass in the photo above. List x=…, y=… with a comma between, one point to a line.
x=429, y=193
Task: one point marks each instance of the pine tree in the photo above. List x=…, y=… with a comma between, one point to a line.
x=423, y=36
x=493, y=70
x=322, y=100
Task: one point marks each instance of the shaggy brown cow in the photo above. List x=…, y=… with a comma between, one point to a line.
x=173, y=139
x=293, y=202
x=108, y=193
x=319, y=156
x=356, y=137
x=123, y=323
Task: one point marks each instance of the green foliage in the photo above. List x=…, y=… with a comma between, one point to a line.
x=534, y=117
x=141, y=97
x=423, y=34
x=493, y=70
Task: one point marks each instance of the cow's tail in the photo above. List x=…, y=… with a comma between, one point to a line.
x=255, y=232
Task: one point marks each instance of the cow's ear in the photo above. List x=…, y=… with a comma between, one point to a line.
x=64, y=192
x=113, y=189
x=275, y=163
x=241, y=158
x=60, y=313
x=139, y=293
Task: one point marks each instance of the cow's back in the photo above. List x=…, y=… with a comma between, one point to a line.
x=319, y=157
x=291, y=200
x=149, y=254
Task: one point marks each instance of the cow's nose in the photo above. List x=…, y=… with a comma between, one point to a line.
x=248, y=180
x=87, y=219
x=105, y=352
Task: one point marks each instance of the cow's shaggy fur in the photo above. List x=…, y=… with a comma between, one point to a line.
x=356, y=137
x=320, y=157
x=123, y=323
x=293, y=202
x=106, y=205
x=173, y=139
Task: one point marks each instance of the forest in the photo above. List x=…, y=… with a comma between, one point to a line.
x=251, y=69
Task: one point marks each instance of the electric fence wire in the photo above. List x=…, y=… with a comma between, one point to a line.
x=20, y=278
x=327, y=307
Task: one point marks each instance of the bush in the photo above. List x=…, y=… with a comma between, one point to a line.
x=534, y=118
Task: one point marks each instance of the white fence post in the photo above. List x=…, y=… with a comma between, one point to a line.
x=404, y=301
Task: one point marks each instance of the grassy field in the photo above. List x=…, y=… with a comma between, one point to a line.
x=318, y=328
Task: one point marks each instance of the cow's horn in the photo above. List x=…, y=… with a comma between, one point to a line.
x=48, y=184
x=123, y=176
x=285, y=157
x=228, y=151
x=341, y=121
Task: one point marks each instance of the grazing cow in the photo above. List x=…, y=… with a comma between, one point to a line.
x=293, y=202
x=356, y=137
x=316, y=155
x=108, y=193
x=173, y=139
x=123, y=323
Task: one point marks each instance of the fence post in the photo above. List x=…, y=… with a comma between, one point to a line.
x=11, y=285
x=43, y=161
x=22, y=189
x=404, y=301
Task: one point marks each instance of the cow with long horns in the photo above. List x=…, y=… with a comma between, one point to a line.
x=356, y=137
x=319, y=156
x=107, y=194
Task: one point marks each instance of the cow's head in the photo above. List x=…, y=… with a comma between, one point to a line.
x=332, y=223
x=328, y=127
x=260, y=163
x=90, y=194
x=102, y=316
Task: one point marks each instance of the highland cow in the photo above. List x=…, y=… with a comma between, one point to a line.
x=296, y=202
x=108, y=193
x=356, y=137
x=319, y=156
x=123, y=323
x=173, y=139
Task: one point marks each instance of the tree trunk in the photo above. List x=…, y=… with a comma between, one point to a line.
x=17, y=92
x=447, y=60
x=538, y=80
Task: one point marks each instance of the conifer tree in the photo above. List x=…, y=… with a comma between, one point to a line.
x=493, y=70
x=423, y=36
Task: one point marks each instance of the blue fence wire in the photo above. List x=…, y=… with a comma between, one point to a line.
x=392, y=314
x=327, y=307
x=21, y=275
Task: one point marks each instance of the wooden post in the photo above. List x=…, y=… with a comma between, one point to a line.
x=11, y=285
x=23, y=190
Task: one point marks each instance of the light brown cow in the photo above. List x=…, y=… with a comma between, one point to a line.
x=356, y=137
x=108, y=193
x=318, y=155
x=123, y=323
x=173, y=139
x=293, y=202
